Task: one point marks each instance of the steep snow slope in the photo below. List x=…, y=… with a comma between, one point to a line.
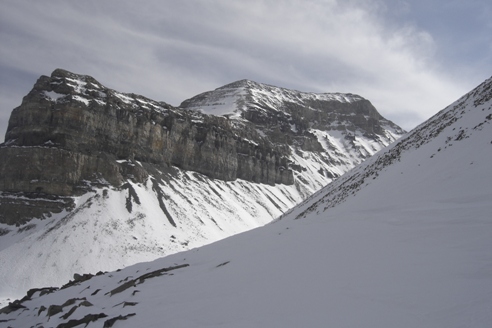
x=236, y=97
x=102, y=234
x=403, y=240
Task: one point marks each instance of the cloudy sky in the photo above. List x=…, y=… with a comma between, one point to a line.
x=410, y=58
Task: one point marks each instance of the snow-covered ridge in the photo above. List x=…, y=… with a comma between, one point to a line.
x=233, y=98
x=284, y=94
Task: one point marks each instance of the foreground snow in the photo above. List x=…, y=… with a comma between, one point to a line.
x=420, y=267
x=403, y=240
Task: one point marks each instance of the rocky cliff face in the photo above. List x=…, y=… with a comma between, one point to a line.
x=75, y=121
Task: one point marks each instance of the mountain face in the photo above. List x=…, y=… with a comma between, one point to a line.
x=403, y=240
x=75, y=121
x=104, y=179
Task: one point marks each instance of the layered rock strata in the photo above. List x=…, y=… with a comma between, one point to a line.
x=70, y=130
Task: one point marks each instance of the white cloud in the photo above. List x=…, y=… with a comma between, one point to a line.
x=172, y=50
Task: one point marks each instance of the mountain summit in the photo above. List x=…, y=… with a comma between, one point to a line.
x=288, y=110
x=94, y=179
x=403, y=240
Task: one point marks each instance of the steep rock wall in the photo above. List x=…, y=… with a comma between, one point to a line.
x=70, y=129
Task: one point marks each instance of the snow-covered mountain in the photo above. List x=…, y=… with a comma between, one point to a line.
x=92, y=179
x=403, y=240
x=347, y=126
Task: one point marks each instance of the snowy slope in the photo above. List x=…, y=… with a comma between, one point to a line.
x=236, y=97
x=403, y=240
x=101, y=234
